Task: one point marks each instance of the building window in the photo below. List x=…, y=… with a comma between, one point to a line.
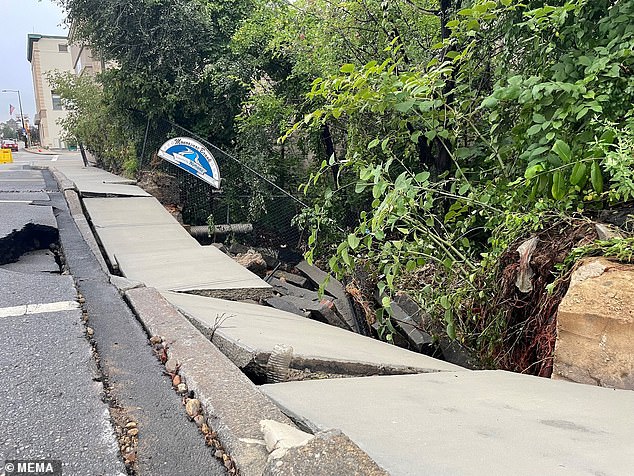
x=62, y=48
x=57, y=101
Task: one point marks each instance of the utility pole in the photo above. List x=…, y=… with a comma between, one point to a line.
x=26, y=132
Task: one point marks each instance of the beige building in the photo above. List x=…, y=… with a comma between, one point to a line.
x=48, y=53
x=84, y=61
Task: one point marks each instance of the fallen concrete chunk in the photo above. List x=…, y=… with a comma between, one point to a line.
x=291, y=278
x=607, y=232
x=124, y=284
x=250, y=332
x=281, y=303
x=306, y=304
x=286, y=288
x=329, y=452
x=595, y=326
x=335, y=289
x=411, y=307
x=233, y=405
x=418, y=339
x=280, y=437
x=320, y=309
x=327, y=312
x=471, y=423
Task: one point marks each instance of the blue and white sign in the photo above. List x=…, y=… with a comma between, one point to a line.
x=193, y=157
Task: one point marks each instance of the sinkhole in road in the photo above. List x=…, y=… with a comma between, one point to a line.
x=31, y=237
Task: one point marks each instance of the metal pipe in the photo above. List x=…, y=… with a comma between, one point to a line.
x=237, y=228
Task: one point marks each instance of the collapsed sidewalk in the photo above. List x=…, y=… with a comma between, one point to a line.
x=408, y=424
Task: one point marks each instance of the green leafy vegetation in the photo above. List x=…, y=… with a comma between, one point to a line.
x=428, y=136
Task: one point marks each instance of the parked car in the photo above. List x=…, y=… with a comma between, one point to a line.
x=10, y=144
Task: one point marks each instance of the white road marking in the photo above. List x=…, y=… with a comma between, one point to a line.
x=38, y=308
x=55, y=157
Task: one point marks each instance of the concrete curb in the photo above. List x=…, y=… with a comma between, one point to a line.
x=77, y=212
x=233, y=404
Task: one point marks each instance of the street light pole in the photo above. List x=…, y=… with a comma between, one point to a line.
x=26, y=133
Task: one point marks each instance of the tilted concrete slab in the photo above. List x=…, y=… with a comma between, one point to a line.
x=92, y=181
x=472, y=423
x=149, y=245
x=249, y=332
x=131, y=211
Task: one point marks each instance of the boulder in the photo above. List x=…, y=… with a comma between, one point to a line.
x=253, y=261
x=595, y=326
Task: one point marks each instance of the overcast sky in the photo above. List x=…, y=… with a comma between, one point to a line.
x=19, y=18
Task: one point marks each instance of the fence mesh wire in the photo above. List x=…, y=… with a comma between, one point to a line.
x=246, y=196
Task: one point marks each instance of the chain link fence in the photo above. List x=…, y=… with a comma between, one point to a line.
x=246, y=196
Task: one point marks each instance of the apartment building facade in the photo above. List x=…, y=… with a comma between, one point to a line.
x=84, y=61
x=48, y=53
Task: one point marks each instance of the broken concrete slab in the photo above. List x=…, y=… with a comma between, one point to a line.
x=411, y=308
x=306, y=304
x=322, y=310
x=232, y=403
x=286, y=288
x=92, y=181
x=291, y=278
x=446, y=348
x=329, y=452
x=148, y=245
x=418, y=339
x=124, y=284
x=249, y=333
x=492, y=422
x=279, y=302
x=327, y=312
x=595, y=326
x=335, y=289
x=280, y=437
x=187, y=270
